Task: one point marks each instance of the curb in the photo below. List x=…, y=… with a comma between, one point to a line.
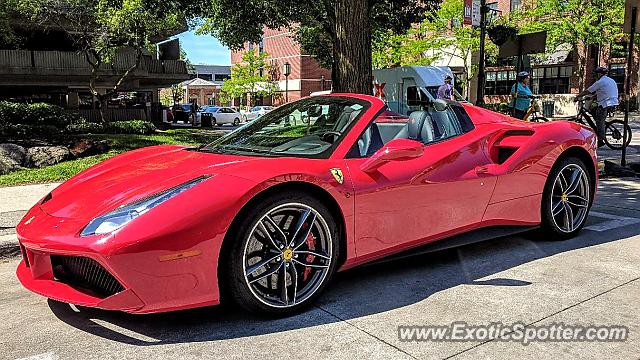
x=9, y=247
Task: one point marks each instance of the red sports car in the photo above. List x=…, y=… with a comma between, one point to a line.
x=268, y=213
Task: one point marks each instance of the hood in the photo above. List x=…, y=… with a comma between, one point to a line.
x=132, y=176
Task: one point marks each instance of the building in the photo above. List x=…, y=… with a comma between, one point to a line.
x=307, y=76
x=48, y=68
x=215, y=73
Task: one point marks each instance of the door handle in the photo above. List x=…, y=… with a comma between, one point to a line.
x=489, y=169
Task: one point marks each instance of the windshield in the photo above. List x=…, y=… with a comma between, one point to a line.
x=309, y=128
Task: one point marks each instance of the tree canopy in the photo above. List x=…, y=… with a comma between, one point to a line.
x=580, y=23
x=252, y=77
x=337, y=32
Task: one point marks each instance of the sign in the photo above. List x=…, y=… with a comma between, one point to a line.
x=472, y=12
x=628, y=9
x=468, y=5
x=534, y=43
x=475, y=13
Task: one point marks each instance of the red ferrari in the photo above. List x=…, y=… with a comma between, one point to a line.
x=267, y=214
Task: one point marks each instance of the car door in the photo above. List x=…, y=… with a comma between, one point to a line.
x=222, y=117
x=408, y=203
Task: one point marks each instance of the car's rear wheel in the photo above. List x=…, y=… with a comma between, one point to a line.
x=285, y=254
x=236, y=122
x=566, y=199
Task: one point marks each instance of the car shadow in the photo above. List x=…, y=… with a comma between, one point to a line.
x=355, y=293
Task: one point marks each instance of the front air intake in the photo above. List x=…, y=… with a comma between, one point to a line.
x=86, y=274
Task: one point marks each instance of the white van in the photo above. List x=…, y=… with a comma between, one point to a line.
x=406, y=88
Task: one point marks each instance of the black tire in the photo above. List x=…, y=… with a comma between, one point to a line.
x=553, y=191
x=240, y=287
x=214, y=122
x=614, y=131
x=236, y=122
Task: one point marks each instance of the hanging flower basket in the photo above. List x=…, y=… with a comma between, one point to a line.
x=500, y=34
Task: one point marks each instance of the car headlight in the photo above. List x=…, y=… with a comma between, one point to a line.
x=121, y=216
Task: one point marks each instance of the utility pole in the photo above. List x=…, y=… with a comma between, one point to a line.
x=483, y=34
x=634, y=14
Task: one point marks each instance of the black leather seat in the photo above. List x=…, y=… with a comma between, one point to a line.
x=419, y=128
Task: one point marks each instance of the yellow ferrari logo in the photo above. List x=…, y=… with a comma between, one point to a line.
x=287, y=254
x=337, y=174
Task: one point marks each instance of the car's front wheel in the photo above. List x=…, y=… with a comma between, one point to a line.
x=566, y=199
x=284, y=255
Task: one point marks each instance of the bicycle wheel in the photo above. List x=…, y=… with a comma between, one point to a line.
x=613, y=132
x=538, y=119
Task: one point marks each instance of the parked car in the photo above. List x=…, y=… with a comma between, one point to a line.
x=256, y=112
x=222, y=115
x=182, y=114
x=266, y=215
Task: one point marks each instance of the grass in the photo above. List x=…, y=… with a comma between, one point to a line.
x=119, y=144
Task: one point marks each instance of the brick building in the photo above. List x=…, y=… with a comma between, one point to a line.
x=307, y=75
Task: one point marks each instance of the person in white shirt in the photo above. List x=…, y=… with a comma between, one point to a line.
x=606, y=91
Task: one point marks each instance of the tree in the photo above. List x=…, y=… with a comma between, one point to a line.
x=102, y=30
x=337, y=32
x=252, y=77
x=580, y=23
x=441, y=34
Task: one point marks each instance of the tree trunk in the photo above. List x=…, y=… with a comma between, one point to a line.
x=352, y=47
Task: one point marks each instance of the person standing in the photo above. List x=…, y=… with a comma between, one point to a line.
x=445, y=91
x=606, y=91
x=522, y=95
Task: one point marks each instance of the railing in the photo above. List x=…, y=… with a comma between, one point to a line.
x=112, y=114
x=63, y=60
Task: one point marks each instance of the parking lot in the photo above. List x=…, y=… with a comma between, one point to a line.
x=593, y=279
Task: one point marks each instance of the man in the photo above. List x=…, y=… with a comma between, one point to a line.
x=606, y=92
x=522, y=95
x=445, y=91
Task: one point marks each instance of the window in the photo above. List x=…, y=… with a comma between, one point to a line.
x=617, y=73
x=515, y=5
x=618, y=50
x=221, y=77
x=551, y=80
x=415, y=96
x=499, y=82
x=205, y=76
x=311, y=127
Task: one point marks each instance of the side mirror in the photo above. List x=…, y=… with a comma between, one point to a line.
x=394, y=150
x=440, y=105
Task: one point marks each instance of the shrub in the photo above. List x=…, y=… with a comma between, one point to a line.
x=29, y=117
x=130, y=127
x=84, y=127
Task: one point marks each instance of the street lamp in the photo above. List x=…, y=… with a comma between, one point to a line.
x=286, y=70
x=322, y=82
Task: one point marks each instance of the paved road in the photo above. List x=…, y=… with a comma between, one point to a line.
x=593, y=279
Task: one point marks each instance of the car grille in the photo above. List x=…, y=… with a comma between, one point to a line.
x=85, y=273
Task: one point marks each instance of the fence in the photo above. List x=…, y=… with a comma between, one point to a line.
x=112, y=114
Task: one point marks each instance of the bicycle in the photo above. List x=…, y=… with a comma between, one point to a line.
x=614, y=129
x=534, y=114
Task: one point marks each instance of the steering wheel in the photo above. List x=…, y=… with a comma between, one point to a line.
x=334, y=134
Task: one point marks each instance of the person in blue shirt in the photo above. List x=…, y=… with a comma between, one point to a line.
x=522, y=95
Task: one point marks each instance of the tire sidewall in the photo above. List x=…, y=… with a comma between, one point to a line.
x=547, y=223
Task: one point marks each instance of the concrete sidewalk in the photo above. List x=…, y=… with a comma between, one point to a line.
x=14, y=203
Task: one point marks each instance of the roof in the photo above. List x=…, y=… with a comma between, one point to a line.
x=213, y=69
x=199, y=82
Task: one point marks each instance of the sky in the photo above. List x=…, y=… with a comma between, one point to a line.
x=204, y=49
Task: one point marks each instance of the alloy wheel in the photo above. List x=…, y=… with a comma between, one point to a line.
x=288, y=255
x=570, y=198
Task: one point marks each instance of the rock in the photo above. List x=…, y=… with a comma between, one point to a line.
x=12, y=157
x=41, y=156
x=86, y=147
